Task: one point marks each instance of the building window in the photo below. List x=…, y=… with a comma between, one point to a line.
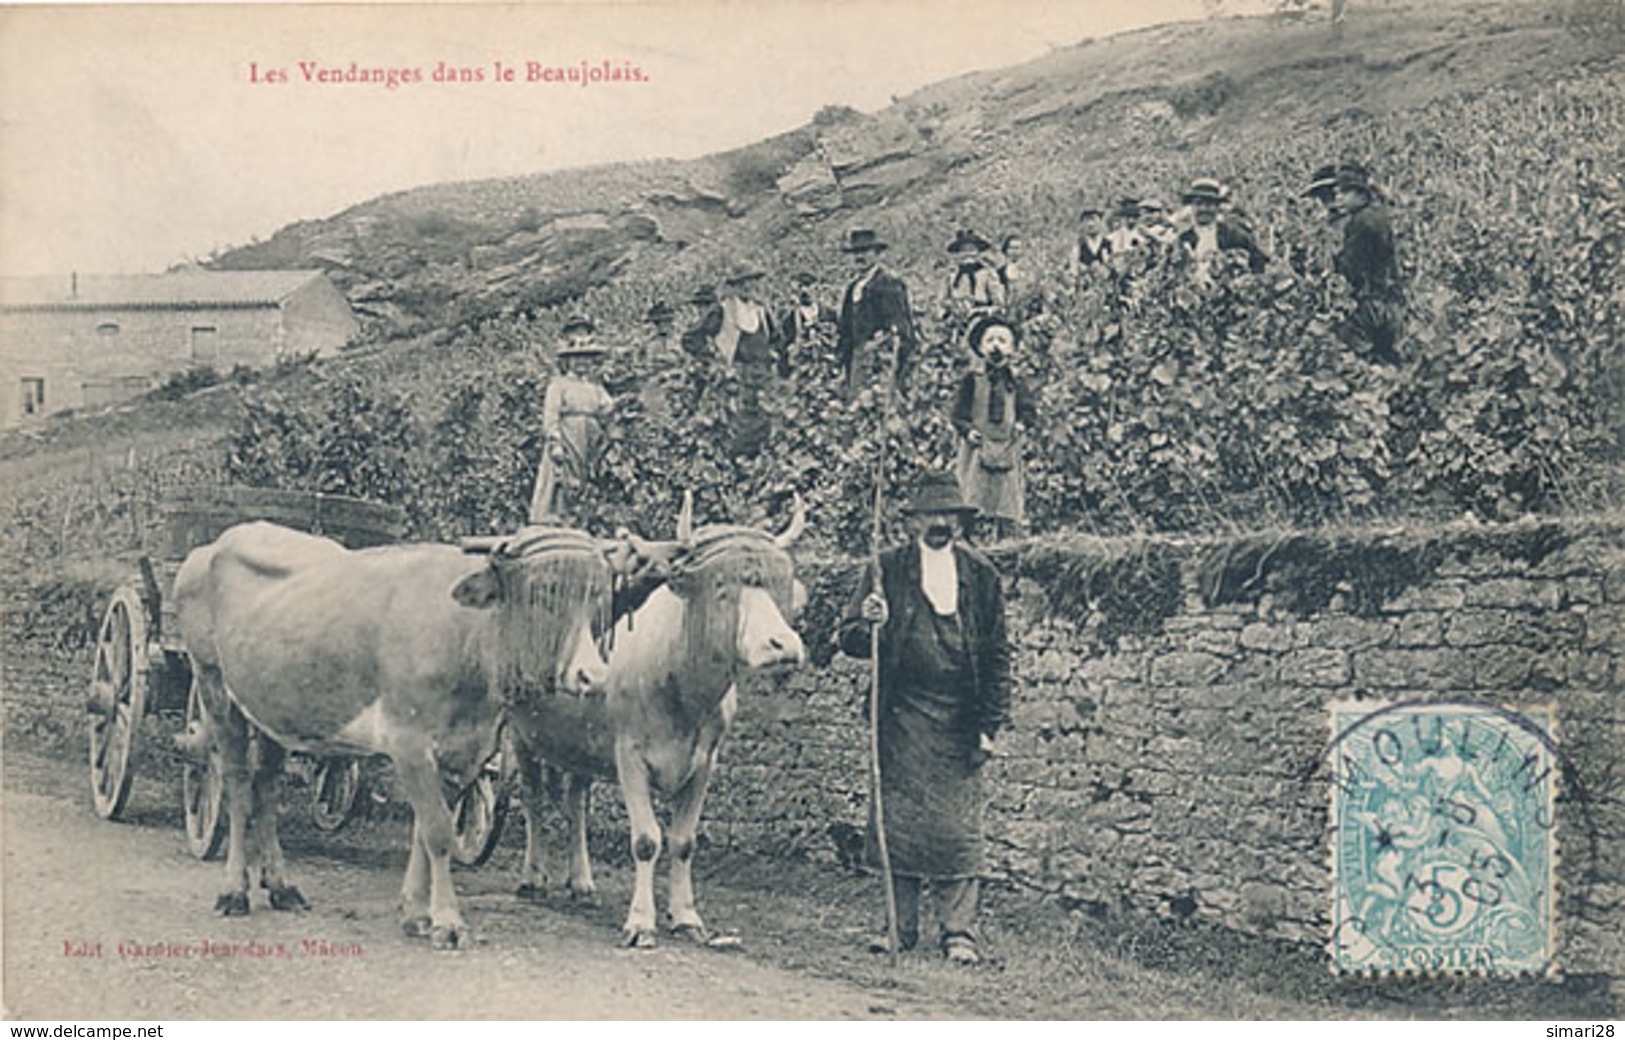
x=205, y=343
x=107, y=329
x=33, y=396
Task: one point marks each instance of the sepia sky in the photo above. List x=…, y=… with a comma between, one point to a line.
x=132, y=138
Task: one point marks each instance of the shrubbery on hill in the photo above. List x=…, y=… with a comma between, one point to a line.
x=1163, y=405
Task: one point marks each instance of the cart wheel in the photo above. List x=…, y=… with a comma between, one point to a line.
x=334, y=792
x=117, y=702
x=203, y=790
x=479, y=813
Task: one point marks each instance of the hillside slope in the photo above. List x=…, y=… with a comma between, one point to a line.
x=1186, y=98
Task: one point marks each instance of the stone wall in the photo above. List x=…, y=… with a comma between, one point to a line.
x=1169, y=749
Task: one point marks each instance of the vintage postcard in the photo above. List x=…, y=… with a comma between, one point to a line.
x=873, y=511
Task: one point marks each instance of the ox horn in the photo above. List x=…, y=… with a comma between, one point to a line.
x=685, y=519
x=798, y=524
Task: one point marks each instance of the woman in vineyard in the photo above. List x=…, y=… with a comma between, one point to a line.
x=574, y=413
x=992, y=403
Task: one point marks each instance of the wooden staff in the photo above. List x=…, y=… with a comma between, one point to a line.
x=875, y=798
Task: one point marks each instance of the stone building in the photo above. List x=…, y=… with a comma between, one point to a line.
x=80, y=341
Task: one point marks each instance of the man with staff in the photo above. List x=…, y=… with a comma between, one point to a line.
x=943, y=694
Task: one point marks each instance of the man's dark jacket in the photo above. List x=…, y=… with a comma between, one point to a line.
x=1368, y=259
x=981, y=612
x=884, y=305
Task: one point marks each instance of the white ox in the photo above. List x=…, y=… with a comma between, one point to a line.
x=671, y=697
x=412, y=651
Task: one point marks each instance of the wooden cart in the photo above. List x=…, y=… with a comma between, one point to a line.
x=141, y=669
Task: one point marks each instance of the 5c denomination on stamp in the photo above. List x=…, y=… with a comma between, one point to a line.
x=1444, y=837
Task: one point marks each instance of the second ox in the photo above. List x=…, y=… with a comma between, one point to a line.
x=671, y=695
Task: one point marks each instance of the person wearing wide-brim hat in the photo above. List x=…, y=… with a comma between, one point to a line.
x=973, y=285
x=944, y=695
x=1125, y=236
x=803, y=318
x=991, y=409
x=738, y=320
x=1369, y=261
x=1211, y=235
x=695, y=340
x=745, y=337
x=575, y=411
x=875, y=328
x=1156, y=223
x=1092, y=246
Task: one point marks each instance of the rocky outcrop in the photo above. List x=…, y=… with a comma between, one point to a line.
x=861, y=162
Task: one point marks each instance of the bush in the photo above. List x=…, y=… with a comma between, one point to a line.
x=187, y=381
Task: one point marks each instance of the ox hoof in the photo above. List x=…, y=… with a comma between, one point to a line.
x=416, y=927
x=287, y=897
x=232, y=904
x=530, y=893
x=639, y=938
x=451, y=937
x=584, y=896
x=694, y=933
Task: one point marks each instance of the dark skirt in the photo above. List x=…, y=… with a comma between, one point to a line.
x=932, y=793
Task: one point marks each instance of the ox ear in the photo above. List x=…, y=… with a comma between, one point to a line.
x=798, y=597
x=478, y=591
x=798, y=524
x=685, y=519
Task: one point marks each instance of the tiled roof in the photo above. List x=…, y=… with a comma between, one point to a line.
x=179, y=290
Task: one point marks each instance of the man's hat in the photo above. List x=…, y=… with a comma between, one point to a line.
x=659, y=312
x=1352, y=176
x=864, y=240
x=967, y=241
x=979, y=327
x=577, y=323
x=806, y=278
x=1322, y=184
x=1127, y=207
x=1090, y=210
x=1153, y=205
x=1205, y=189
x=938, y=492
x=704, y=296
x=742, y=273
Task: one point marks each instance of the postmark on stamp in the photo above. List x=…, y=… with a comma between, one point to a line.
x=1444, y=838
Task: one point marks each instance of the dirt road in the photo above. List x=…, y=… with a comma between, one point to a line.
x=115, y=921
x=76, y=888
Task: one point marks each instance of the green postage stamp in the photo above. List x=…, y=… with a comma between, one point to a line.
x=1444, y=838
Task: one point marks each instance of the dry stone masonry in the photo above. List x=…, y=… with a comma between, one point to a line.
x=1168, y=754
